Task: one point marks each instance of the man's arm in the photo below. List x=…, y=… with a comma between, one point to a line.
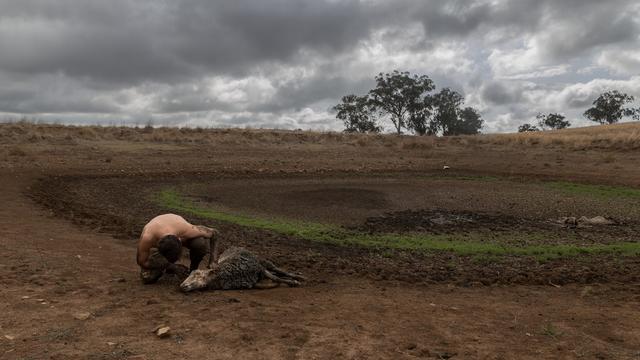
x=213, y=247
x=209, y=233
x=142, y=255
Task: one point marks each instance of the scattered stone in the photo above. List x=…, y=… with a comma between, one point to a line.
x=82, y=315
x=446, y=167
x=26, y=297
x=158, y=327
x=40, y=300
x=163, y=332
x=9, y=337
x=572, y=221
x=110, y=343
x=446, y=355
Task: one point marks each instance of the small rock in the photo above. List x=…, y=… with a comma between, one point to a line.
x=110, y=343
x=163, y=332
x=158, y=327
x=152, y=301
x=9, y=337
x=82, y=315
x=40, y=300
x=446, y=167
x=26, y=297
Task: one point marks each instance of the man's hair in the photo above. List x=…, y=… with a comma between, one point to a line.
x=170, y=247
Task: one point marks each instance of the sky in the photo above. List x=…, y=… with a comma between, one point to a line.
x=284, y=63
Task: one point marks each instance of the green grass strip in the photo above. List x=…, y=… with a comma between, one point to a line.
x=420, y=242
x=602, y=191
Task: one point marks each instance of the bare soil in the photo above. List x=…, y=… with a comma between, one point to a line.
x=71, y=214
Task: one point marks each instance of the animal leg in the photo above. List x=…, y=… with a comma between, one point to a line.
x=266, y=284
x=271, y=276
x=271, y=267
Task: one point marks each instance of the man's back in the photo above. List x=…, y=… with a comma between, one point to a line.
x=166, y=224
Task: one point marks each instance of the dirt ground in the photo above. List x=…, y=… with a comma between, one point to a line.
x=71, y=214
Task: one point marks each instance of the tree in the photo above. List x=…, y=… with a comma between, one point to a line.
x=448, y=116
x=446, y=104
x=469, y=123
x=419, y=116
x=609, y=108
x=527, y=128
x=552, y=121
x=400, y=96
x=356, y=113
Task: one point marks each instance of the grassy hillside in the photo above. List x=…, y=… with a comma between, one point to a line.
x=624, y=136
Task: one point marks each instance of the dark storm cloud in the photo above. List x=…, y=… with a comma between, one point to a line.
x=185, y=58
x=129, y=41
x=497, y=93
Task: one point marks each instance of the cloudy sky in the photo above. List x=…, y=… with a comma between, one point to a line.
x=284, y=63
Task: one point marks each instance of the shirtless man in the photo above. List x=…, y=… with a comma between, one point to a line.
x=161, y=243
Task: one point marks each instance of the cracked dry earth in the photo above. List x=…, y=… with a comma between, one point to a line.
x=54, y=272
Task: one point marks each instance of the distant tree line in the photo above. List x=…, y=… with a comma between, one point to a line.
x=608, y=108
x=408, y=103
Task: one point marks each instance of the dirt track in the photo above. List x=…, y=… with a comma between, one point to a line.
x=74, y=267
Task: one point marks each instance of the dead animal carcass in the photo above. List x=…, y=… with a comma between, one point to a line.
x=238, y=268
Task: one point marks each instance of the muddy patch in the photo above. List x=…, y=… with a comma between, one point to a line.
x=443, y=221
x=342, y=197
x=121, y=205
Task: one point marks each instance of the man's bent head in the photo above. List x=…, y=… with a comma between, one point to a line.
x=170, y=247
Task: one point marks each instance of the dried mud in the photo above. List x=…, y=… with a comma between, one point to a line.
x=119, y=205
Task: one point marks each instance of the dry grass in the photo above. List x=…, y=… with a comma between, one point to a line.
x=624, y=136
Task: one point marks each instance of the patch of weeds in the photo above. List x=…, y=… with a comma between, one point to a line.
x=603, y=191
x=549, y=330
x=451, y=265
x=485, y=259
x=387, y=253
x=116, y=354
x=61, y=334
x=417, y=242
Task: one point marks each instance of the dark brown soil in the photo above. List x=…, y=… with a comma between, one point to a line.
x=112, y=203
x=61, y=259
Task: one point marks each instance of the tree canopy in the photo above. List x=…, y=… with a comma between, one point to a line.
x=527, y=128
x=356, y=113
x=609, y=108
x=398, y=94
x=552, y=121
x=405, y=100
